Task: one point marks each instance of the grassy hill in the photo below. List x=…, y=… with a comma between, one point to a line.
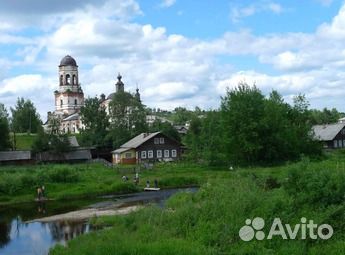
x=24, y=141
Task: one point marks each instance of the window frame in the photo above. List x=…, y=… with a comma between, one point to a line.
x=174, y=153
x=166, y=154
x=161, y=140
x=156, y=140
x=150, y=154
x=159, y=154
x=143, y=154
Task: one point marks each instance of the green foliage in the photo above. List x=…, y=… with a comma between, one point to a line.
x=181, y=115
x=96, y=122
x=25, y=117
x=251, y=129
x=321, y=187
x=166, y=128
x=208, y=221
x=63, y=175
x=4, y=129
x=242, y=111
x=128, y=118
x=55, y=142
x=326, y=116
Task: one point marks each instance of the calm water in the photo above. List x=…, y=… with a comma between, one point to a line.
x=20, y=238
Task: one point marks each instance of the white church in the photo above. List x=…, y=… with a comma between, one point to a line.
x=69, y=98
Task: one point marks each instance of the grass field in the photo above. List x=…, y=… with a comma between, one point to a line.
x=24, y=141
x=208, y=222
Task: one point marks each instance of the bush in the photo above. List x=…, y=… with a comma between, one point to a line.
x=63, y=175
x=316, y=187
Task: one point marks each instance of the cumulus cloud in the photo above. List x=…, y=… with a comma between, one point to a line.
x=237, y=13
x=167, y=3
x=170, y=69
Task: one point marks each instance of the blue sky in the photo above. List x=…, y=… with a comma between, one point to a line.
x=179, y=52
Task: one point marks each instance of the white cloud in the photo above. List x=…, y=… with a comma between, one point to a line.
x=167, y=3
x=238, y=13
x=325, y=2
x=172, y=69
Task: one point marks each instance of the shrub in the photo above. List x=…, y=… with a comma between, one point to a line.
x=63, y=175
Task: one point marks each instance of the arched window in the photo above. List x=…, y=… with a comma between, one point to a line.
x=75, y=101
x=61, y=79
x=68, y=79
x=74, y=81
x=61, y=102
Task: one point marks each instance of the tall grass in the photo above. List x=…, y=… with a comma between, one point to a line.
x=208, y=222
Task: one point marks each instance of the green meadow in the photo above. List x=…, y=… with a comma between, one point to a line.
x=208, y=221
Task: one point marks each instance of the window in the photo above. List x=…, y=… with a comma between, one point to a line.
x=174, y=153
x=75, y=101
x=150, y=154
x=159, y=153
x=61, y=102
x=335, y=144
x=61, y=79
x=166, y=153
x=128, y=155
x=161, y=140
x=156, y=141
x=68, y=79
x=74, y=81
x=143, y=154
x=340, y=143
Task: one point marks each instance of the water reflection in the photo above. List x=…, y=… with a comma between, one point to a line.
x=19, y=237
x=5, y=230
x=63, y=231
x=36, y=238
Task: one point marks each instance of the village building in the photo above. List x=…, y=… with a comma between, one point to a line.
x=332, y=136
x=69, y=98
x=148, y=147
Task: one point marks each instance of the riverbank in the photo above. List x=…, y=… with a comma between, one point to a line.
x=208, y=221
x=65, y=182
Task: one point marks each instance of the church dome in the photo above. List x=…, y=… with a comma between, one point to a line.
x=68, y=61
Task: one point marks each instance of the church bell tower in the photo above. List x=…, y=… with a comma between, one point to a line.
x=69, y=98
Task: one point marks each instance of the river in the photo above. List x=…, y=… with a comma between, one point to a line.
x=20, y=233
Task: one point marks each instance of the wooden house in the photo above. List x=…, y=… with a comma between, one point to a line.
x=332, y=136
x=148, y=147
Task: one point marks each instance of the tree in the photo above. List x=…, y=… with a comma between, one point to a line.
x=96, y=122
x=53, y=140
x=4, y=129
x=242, y=110
x=251, y=129
x=127, y=118
x=325, y=116
x=25, y=117
x=166, y=128
x=181, y=115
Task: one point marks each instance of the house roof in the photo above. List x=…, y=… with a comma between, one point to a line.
x=120, y=150
x=327, y=132
x=73, y=141
x=139, y=140
x=74, y=116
